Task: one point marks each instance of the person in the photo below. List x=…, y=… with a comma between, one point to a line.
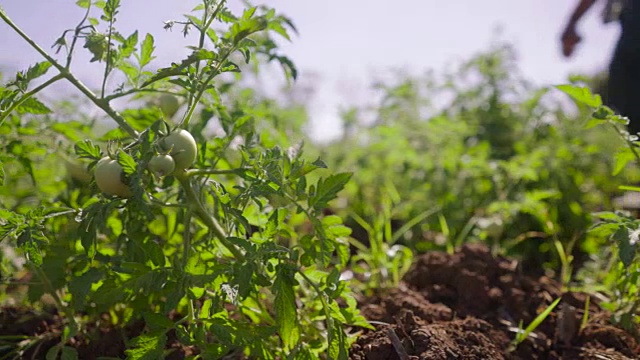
x=623, y=88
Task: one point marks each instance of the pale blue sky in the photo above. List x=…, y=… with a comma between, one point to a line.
x=347, y=42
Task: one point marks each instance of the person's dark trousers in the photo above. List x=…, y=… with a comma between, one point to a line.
x=623, y=89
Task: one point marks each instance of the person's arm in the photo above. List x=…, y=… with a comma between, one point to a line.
x=570, y=37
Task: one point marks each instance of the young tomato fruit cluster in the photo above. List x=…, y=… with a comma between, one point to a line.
x=108, y=174
x=162, y=165
x=182, y=148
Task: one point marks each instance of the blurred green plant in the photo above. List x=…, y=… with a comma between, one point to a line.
x=503, y=161
x=622, y=229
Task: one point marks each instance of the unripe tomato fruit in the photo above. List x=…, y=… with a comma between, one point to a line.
x=162, y=165
x=169, y=105
x=108, y=174
x=183, y=148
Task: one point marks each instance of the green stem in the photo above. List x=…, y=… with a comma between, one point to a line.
x=630, y=143
x=107, y=62
x=195, y=172
x=101, y=103
x=203, y=88
x=206, y=21
x=137, y=90
x=76, y=34
x=27, y=95
x=208, y=220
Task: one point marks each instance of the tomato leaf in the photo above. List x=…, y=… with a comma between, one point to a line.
x=148, y=346
x=626, y=249
x=32, y=106
x=128, y=46
x=80, y=286
x=327, y=190
x=87, y=150
x=623, y=157
x=581, y=94
x=285, y=306
x=146, y=51
x=127, y=162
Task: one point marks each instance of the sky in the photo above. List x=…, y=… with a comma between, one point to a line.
x=343, y=44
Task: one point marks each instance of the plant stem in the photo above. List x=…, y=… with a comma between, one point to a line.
x=208, y=220
x=101, y=103
x=76, y=34
x=203, y=88
x=107, y=62
x=195, y=172
x=28, y=95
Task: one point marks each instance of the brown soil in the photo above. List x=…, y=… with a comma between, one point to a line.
x=35, y=333
x=469, y=306
x=463, y=306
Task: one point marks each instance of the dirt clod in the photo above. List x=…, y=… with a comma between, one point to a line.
x=471, y=305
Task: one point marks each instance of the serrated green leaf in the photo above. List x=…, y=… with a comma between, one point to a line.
x=146, y=51
x=29, y=242
x=327, y=190
x=79, y=287
x=38, y=70
x=157, y=322
x=277, y=27
x=622, y=158
x=154, y=253
x=626, y=248
x=110, y=10
x=131, y=71
x=337, y=341
x=285, y=306
x=581, y=95
x=148, y=346
x=127, y=162
x=128, y=46
x=87, y=150
x=110, y=292
x=32, y=106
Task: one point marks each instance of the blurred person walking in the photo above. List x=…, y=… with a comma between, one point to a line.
x=623, y=88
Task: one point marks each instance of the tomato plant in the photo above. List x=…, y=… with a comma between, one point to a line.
x=182, y=147
x=162, y=164
x=201, y=253
x=108, y=174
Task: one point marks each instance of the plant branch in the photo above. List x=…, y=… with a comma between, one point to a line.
x=101, y=103
x=137, y=90
x=195, y=172
x=27, y=95
x=107, y=62
x=629, y=143
x=208, y=220
x=76, y=34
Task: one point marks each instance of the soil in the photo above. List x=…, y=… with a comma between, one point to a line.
x=466, y=305
x=471, y=305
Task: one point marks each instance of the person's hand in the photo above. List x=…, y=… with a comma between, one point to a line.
x=570, y=39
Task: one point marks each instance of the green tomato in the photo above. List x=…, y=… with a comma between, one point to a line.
x=108, y=174
x=169, y=105
x=183, y=148
x=162, y=165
